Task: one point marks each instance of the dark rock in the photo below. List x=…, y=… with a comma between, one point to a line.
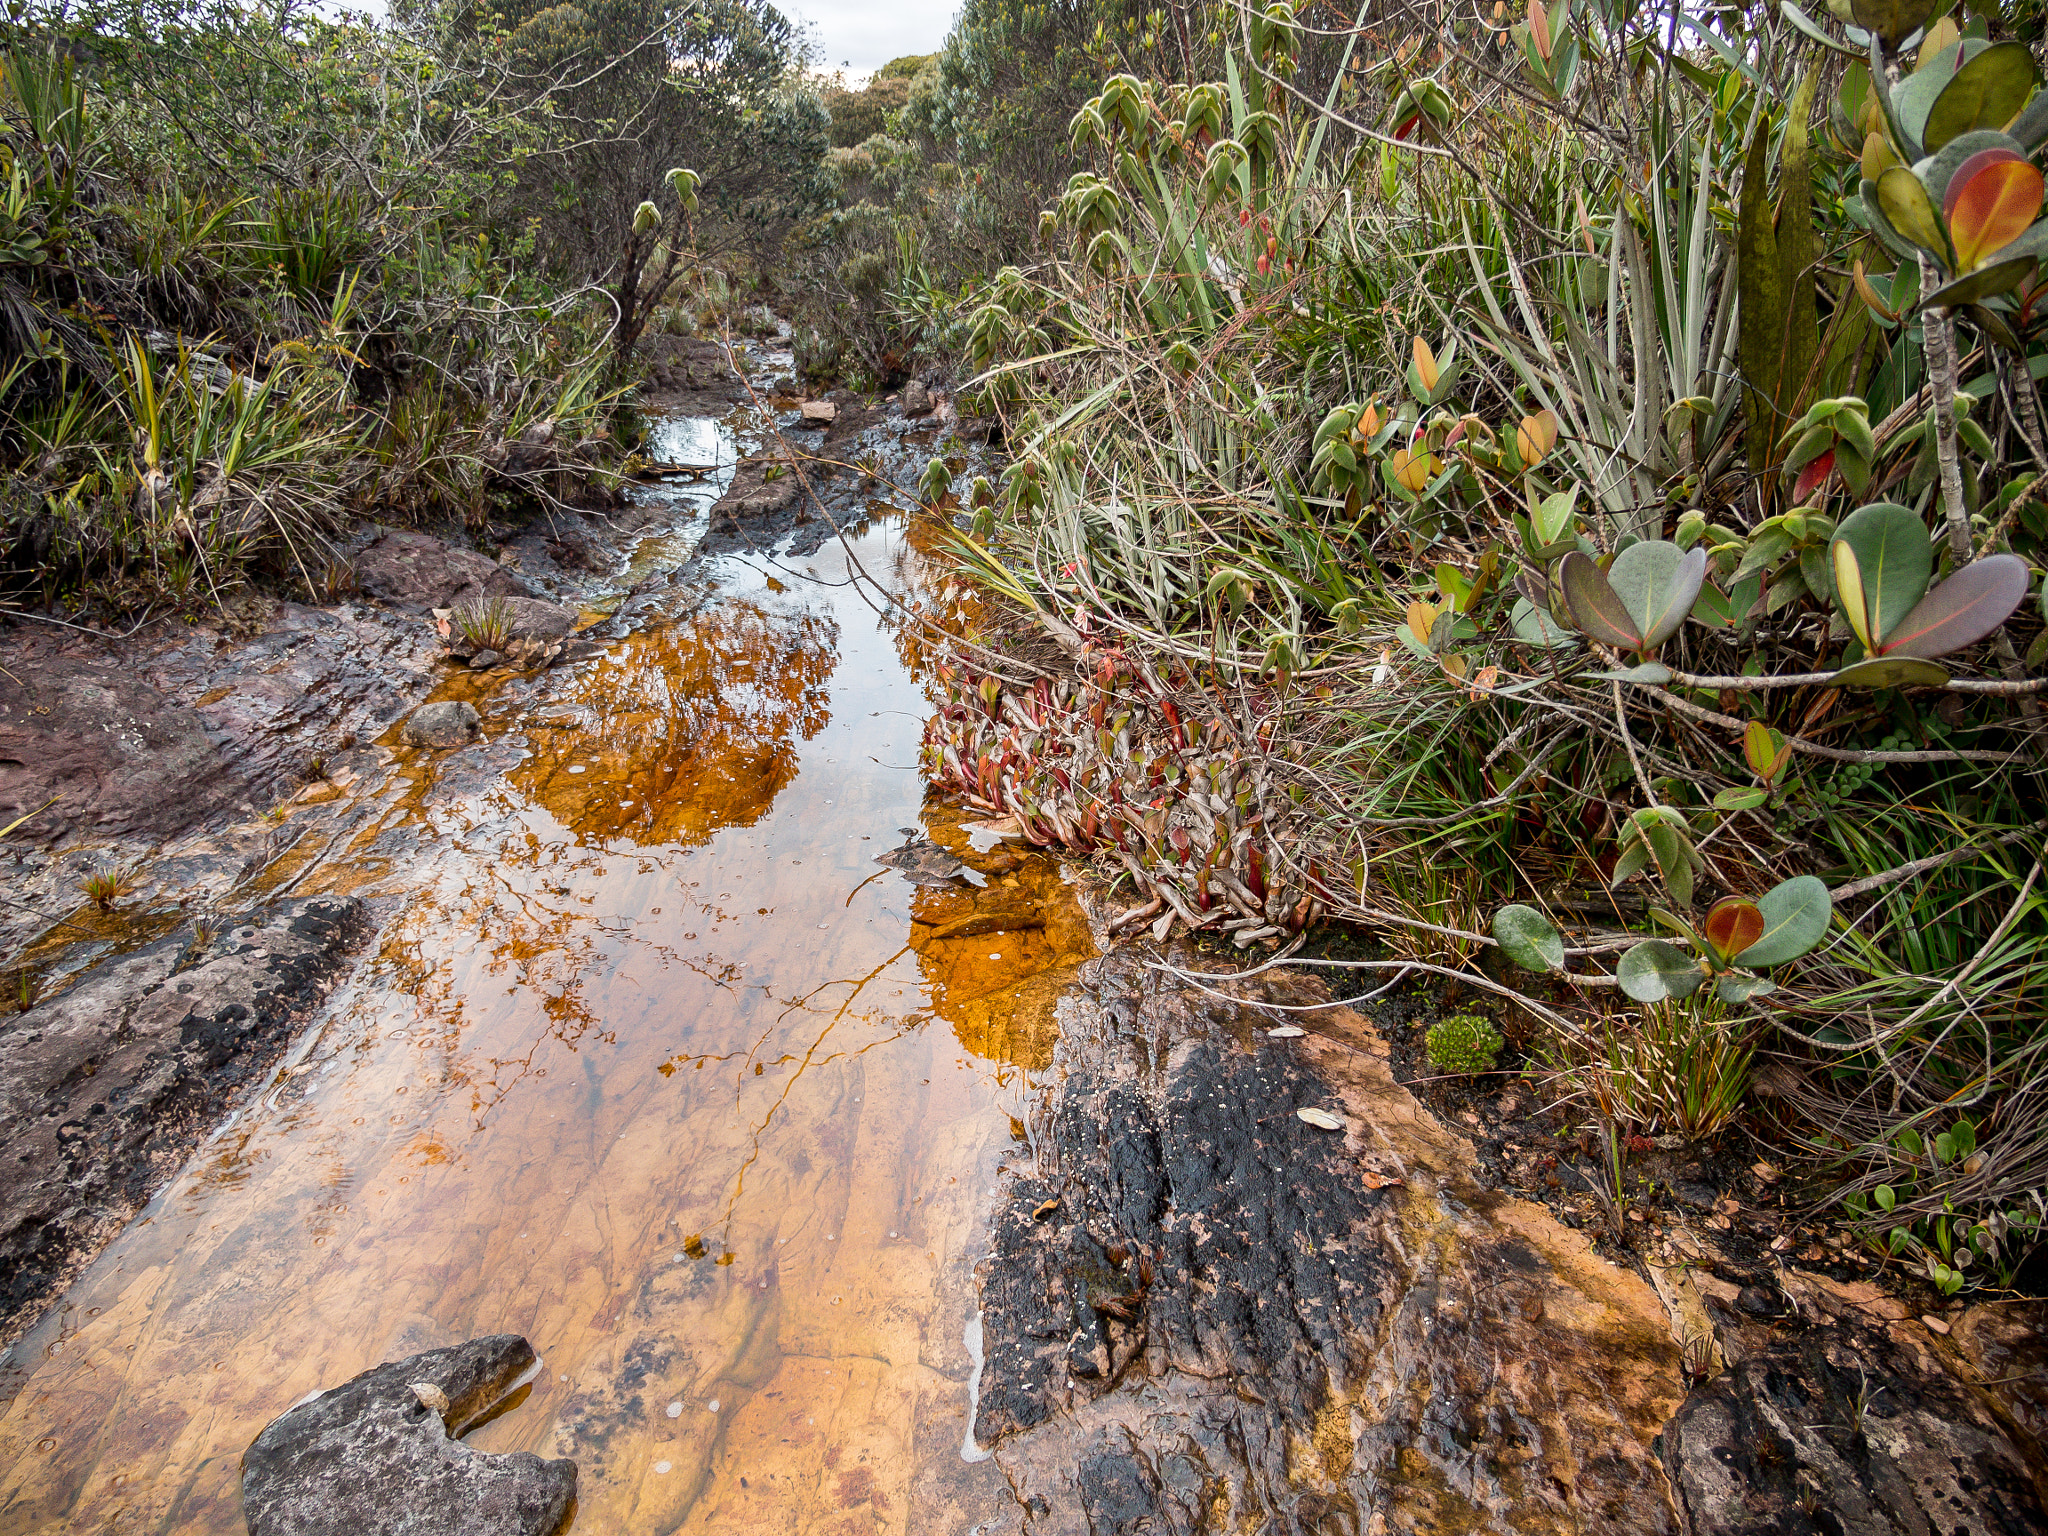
x=416, y=570
x=1232, y=1320
x=1843, y=1429
x=439, y=726
x=917, y=400
x=373, y=1457
x=483, y=661
x=105, y=1089
x=119, y=755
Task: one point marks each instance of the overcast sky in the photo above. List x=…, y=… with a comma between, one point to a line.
x=863, y=35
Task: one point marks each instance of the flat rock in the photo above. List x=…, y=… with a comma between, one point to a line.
x=444, y=724
x=1232, y=1320
x=917, y=400
x=372, y=1458
x=818, y=413
x=106, y=1089
x=417, y=570
x=120, y=756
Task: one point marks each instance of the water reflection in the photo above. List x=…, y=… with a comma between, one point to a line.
x=643, y=1065
x=687, y=728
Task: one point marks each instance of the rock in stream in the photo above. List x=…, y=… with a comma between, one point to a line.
x=377, y=1456
x=107, y=1088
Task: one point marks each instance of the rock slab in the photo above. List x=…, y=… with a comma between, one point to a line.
x=107, y=1088
x=120, y=757
x=419, y=571
x=1848, y=1423
x=372, y=1458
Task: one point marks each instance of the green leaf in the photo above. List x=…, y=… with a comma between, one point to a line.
x=1963, y=609
x=1885, y=1196
x=1796, y=915
x=1654, y=970
x=1892, y=20
x=1985, y=283
x=1906, y=204
x=1527, y=938
x=1535, y=626
x=1740, y=989
x=1634, y=859
x=1882, y=564
x=1594, y=606
x=1987, y=92
x=1741, y=798
x=1652, y=672
x=1674, y=860
x=1890, y=672
x=1657, y=583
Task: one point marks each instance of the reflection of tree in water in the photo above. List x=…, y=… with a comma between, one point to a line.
x=688, y=729
x=923, y=571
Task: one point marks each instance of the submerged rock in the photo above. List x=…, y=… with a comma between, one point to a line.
x=107, y=1088
x=439, y=726
x=377, y=1455
x=1231, y=1319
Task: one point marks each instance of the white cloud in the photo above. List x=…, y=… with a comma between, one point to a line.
x=861, y=36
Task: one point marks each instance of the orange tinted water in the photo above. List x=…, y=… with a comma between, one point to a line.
x=643, y=1065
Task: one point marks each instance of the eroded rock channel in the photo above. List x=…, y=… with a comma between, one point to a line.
x=659, y=1019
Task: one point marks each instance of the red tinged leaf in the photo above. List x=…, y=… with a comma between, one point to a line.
x=1962, y=610
x=1595, y=606
x=1811, y=477
x=1732, y=925
x=1960, y=177
x=1991, y=206
x=1407, y=127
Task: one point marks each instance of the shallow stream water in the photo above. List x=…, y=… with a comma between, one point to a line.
x=642, y=1064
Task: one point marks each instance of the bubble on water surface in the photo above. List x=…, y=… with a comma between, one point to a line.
x=661, y=1469
x=675, y=1409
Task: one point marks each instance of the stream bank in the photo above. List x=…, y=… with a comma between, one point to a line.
x=809, y=1182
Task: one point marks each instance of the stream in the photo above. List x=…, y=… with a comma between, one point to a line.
x=642, y=1064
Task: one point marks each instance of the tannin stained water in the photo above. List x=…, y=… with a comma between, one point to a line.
x=640, y=1065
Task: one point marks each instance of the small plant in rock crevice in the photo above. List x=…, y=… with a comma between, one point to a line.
x=484, y=624
x=103, y=887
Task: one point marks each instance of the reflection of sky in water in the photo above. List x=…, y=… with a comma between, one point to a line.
x=668, y=998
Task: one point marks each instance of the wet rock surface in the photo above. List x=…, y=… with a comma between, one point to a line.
x=118, y=755
x=378, y=1455
x=1232, y=1318
x=107, y=1088
x=690, y=374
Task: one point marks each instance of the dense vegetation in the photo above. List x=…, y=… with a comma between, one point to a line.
x=1559, y=488
x=265, y=272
